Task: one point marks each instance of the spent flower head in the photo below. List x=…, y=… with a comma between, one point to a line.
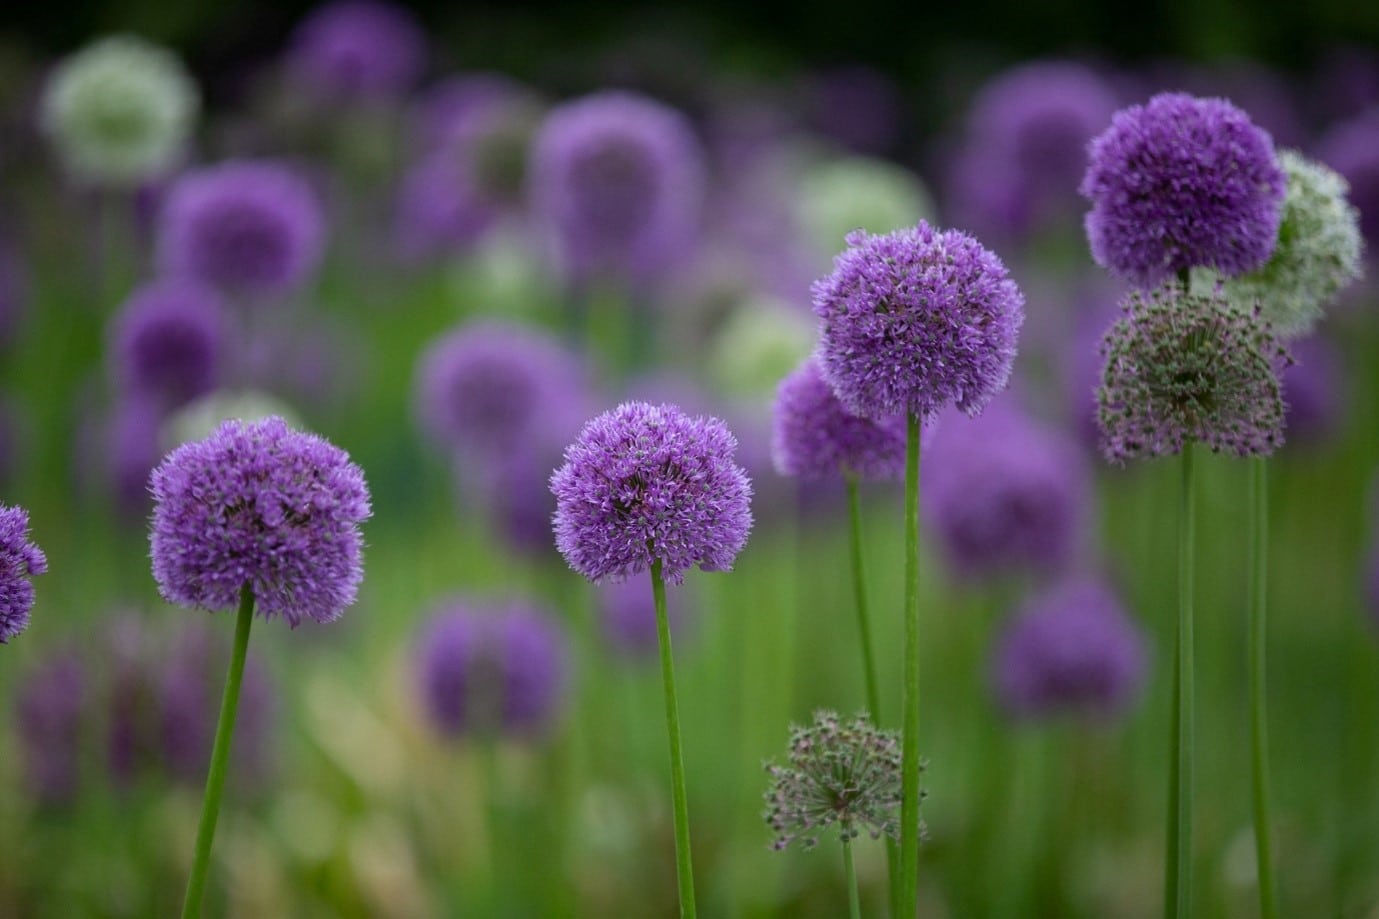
x=260, y=505
x=844, y=773
x=1319, y=251
x=1182, y=183
x=916, y=320
x=20, y=560
x=1185, y=366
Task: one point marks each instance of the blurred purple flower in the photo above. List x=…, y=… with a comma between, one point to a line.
x=1352, y=149
x=259, y=505
x=50, y=703
x=1003, y=494
x=645, y=483
x=1312, y=391
x=169, y=342
x=133, y=447
x=352, y=50
x=251, y=227
x=1071, y=649
x=618, y=181
x=629, y=616
x=1181, y=183
x=491, y=668
x=20, y=560
x=815, y=437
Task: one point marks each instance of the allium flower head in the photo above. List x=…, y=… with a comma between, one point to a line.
x=1182, y=367
x=489, y=388
x=917, y=320
x=1318, y=252
x=358, y=49
x=1003, y=493
x=1313, y=391
x=645, y=483
x=262, y=505
x=859, y=193
x=846, y=773
x=20, y=560
x=168, y=342
x=119, y=111
x=618, y=180
x=491, y=668
x=1071, y=649
x=814, y=437
x=1181, y=183
x=253, y=227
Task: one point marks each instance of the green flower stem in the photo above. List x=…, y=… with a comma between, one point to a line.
x=859, y=593
x=1259, y=736
x=909, y=762
x=1178, y=864
x=854, y=898
x=220, y=757
x=684, y=868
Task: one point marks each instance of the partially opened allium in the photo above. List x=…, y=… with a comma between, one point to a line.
x=1318, y=252
x=261, y=505
x=814, y=437
x=252, y=227
x=169, y=342
x=1183, y=367
x=119, y=111
x=20, y=560
x=645, y=483
x=917, y=320
x=1181, y=183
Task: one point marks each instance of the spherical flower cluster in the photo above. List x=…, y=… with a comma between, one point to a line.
x=618, y=181
x=1318, y=252
x=169, y=342
x=486, y=389
x=263, y=506
x=858, y=193
x=645, y=484
x=836, y=772
x=917, y=320
x=1071, y=649
x=1352, y=149
x=119, y=111
x=814, y=437
x=358, y=49
x=488, y=668
x=253, y=227
x=1182, y=367
x=1182, y=183
x=1004, y=494
x=20, y=560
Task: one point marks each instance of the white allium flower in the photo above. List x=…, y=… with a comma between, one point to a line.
x=859, y=192
x=119, y=111
x=759, y=343
x=199, y=418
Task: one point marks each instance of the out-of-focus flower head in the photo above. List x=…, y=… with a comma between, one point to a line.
x=1352, y=149
x=168, y=342
x=357, y=50
x=850, y=193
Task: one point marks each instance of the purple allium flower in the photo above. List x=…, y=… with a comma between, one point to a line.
x=49, y=717
x=488, y=388
x=1026, y=146
x=189, y=699
x=645, y=483
x=168, y=342
x=814, y=437
x=1182, y=183
x=489, y=668
x=1313, y=387
x=917, y=320
x=133, y=447
x=1004, y=493
x=1183, y=367
x=358, y=49
x=836, y=772
x=1352, y=149
x=265, y=506
x=20, y=560
x=1072, y=648
x=629, y=615
x=458, y=104
x=618, y=179
x=253, y=227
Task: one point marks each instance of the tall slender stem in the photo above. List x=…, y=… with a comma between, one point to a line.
x=909, y=762
x=683, y=866
x=220, y=757
x=859, y=593
x=1259, y=736
x=1178, y=863
x=854, y=898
